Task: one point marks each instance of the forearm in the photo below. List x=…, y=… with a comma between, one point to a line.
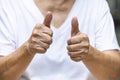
x=15, y=63
x=105, y=66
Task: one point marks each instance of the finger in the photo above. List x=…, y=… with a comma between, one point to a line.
x=45, y=30
x=75, y=26
x=42, y=37
x=74, y=40
x=48, y=19
x=77, y=53
x=39, y=49
x=76, y=47
x=77, y=59
x=45, y=38
x=81, y=54
x=42, y=44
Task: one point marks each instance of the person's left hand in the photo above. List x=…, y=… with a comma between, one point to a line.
x=78, y=44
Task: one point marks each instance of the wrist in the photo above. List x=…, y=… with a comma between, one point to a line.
x=90, y=54
x=27, y=48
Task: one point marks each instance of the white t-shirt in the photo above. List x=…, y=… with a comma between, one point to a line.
x=18, y=18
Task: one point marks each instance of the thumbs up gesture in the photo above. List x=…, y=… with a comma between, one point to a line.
x=78, y=44
x=41, y=37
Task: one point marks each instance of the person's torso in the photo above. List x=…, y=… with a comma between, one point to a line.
x=55, y=64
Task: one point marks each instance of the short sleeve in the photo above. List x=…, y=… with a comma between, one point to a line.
x=105, y=37
x=7, y=41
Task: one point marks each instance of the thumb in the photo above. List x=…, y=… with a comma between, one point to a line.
x=48, y=19
x=75, y=27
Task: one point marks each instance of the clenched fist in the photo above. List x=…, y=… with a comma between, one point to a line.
x=41, y=37
x=78, y=44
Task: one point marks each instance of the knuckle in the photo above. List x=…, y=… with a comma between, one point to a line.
x=46, y=46
x=49, y=40
x=37, y=26
x=69, y=41
x=33, y=40
x=85, y=36
x=51, y=33
x=70, y=54
x=43, y=45
x=35, y=32
x=69, y=48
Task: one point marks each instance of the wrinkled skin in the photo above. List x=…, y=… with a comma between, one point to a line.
x=78, y=44
x=41, y=37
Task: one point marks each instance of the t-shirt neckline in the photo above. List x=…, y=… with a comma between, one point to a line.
x=67, y=20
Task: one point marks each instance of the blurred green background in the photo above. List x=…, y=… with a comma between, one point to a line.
x=115, y=10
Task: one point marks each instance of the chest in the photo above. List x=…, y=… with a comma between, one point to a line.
x=60, y=11
x=32, y=15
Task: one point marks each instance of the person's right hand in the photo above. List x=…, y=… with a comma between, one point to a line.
x=41, y=37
